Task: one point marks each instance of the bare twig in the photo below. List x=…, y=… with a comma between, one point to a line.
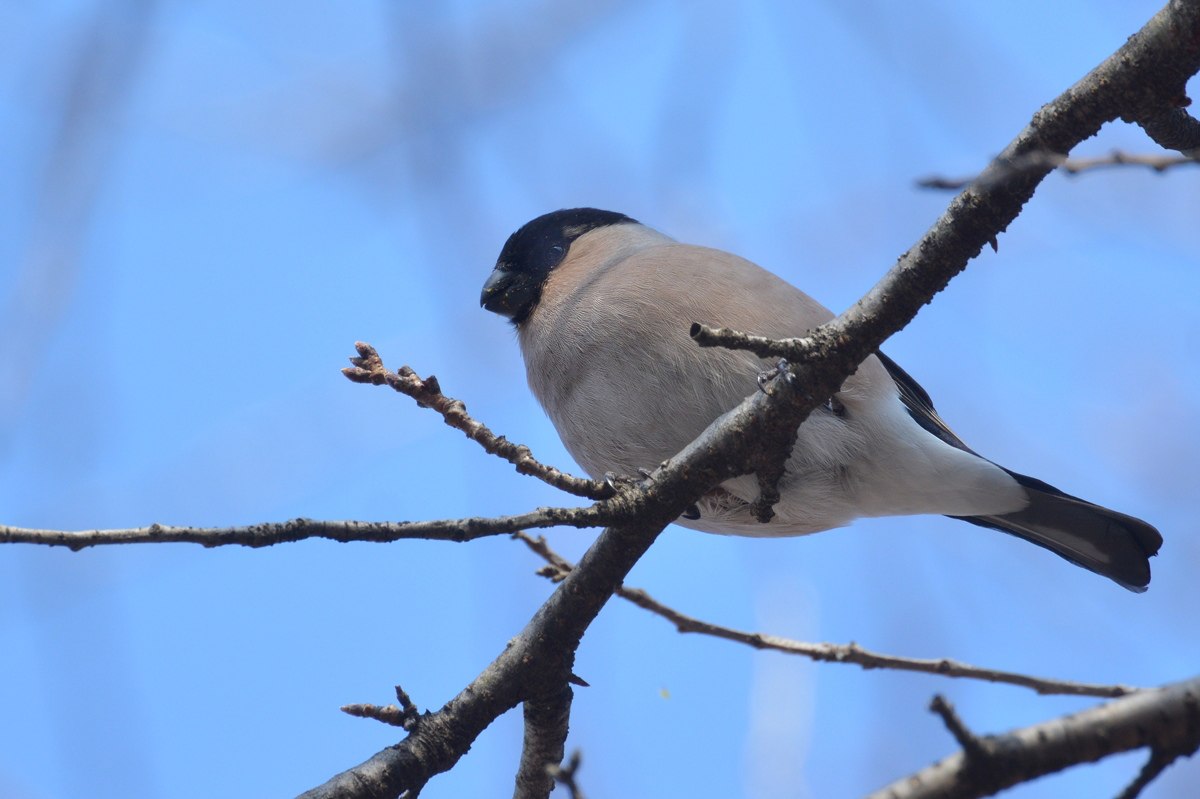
x=1166, y=719
x=368, y=368
x=794, y=348
x=973, y=747
x=388, y=714
x=406, y=716
x=270, y=533
x=1156, y=764
x=1072, y=166
x=566, y=774
x=852, y=653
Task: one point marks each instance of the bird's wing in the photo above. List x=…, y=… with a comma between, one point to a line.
x=919, y=406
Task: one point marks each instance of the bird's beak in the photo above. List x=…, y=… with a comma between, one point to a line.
x=493, y=289
x=497, y=295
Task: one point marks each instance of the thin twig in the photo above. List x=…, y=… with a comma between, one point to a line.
x=829, y=653
x=566, y=774
x=270, y=533
x=1157, y=763
x=368, y=368
x=1072, y=166
x=406, y=715
x=972, y=745
x=388, y=714
x=792, y=348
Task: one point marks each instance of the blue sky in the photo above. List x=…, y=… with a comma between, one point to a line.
x=206, y=204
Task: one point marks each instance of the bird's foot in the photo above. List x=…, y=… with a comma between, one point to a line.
x=781, y=368
x=616, y=480
x=716, y=502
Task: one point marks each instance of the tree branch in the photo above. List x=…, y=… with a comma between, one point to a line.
x=545, y=650
x=973, y=748
x=541, y=655
x=547, y=719
x=1146, y=77
x=270, y=533
x=1156, y=764
x=406, y=716
x=1143, y=81
x=566, y=775
x=1166, y=719
x=828, y=653
x=1074, y=166
x=368, y=368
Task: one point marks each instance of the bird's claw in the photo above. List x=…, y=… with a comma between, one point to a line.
x=780, y=368
x=615, y=480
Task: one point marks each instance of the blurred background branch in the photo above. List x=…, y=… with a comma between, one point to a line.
x=97, y=76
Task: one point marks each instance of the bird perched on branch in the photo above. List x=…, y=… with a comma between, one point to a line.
x=602, y=306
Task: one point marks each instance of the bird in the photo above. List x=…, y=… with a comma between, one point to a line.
x=602, y=307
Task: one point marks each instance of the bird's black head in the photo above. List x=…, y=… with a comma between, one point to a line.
x=515, y=285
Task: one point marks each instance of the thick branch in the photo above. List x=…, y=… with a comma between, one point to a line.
x=828, y=653
x=1165, y=719
x=368, y=368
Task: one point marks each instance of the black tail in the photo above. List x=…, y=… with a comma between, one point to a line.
x=1100, y=540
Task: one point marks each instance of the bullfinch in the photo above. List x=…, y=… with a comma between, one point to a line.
x=602, y=306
